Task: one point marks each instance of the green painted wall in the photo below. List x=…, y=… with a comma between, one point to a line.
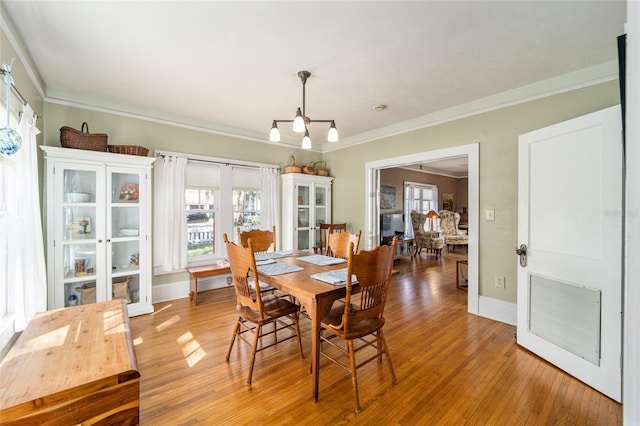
x=497, y=133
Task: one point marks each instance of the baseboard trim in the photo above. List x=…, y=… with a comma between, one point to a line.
x=498, y=310
x=180, y=289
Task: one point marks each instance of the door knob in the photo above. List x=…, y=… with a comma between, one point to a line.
x=522, y=252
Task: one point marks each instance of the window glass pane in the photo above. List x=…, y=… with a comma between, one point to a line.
x=246, y=209
x=201, y=219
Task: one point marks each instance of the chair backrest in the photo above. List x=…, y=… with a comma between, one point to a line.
x=449, y=222
x=372, y=270
x=263, y=240
x=417, y=222
x=339, y=244
x=242, y=263
x=325, y=230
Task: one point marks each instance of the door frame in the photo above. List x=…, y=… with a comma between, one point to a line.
x=372, y=218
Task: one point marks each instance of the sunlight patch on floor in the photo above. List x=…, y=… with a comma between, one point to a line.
x=168, y=323
x=191, y=349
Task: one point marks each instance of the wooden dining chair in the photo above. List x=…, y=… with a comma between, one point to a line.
x=360, y=324
x=325, y=230
x=263, y=239
x=255, y=310
x=338, y=243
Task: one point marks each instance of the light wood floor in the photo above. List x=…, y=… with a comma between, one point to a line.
x=453, y=368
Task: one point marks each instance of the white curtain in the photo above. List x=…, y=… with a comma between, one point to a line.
x=25, y=241
x=170, y=222
x=409, y=196
x=269, y=216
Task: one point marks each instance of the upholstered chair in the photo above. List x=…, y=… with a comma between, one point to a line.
x=452, y=235
x=424, y=239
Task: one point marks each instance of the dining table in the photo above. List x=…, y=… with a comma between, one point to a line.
x=314, y=295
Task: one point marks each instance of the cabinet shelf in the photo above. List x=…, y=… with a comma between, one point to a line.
x=72, y=279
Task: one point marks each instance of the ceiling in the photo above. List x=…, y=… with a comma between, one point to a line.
x=230, y=67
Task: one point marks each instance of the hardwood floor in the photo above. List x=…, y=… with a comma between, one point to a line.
x=452, y=367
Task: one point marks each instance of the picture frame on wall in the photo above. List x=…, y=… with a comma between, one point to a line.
x=447, y=202
x=387, y=197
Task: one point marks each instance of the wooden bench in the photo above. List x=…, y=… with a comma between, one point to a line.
x=197, y=272
x=70, y=366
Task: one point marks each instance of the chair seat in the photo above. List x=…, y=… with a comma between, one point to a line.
x=457, y=239
x=362, y=327
x=435, y=243
x=273, y=307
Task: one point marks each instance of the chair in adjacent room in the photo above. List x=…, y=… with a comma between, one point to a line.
x=359, y=325
x=452, y=235
x=429, y=240
x=263, y=240
x=338, y=243
x=325, y=230
x=255, y=310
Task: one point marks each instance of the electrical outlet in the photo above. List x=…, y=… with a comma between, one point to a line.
x=500, y=282
x=229, y=281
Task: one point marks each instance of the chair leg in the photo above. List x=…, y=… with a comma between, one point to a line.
x=233, y=338
x=386, y=352
x=354, y=377
x=254, y=350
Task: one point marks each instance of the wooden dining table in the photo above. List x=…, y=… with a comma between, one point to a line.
x=314, y=295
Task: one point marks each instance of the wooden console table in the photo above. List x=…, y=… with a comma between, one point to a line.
x=70, y=366
x=197, y=272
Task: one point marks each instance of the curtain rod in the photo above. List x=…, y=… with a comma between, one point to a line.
x=213, y=160
x=18, y=94
x=15, y=89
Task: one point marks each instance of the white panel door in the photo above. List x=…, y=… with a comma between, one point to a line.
x=570, y=219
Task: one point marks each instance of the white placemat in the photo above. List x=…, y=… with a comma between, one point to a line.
x=335, y=277
x=322, y=260
x=272, y=255
x=278, y=268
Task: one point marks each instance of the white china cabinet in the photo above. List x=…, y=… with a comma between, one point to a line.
x=306, y=202
x=98, y=209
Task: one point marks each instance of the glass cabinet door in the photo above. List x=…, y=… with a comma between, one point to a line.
x=303, y=227
x=320, y=209
x=124, y=231
x=78, y=254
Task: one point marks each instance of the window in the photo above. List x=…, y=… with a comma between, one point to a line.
x=216, y=197
x=201, y=206
x=246, y=209
x=246, y=199
x=421, y=198
x=4, y=245
x=201, y=221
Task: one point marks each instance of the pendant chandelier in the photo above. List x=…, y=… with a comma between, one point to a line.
x=301, y=121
